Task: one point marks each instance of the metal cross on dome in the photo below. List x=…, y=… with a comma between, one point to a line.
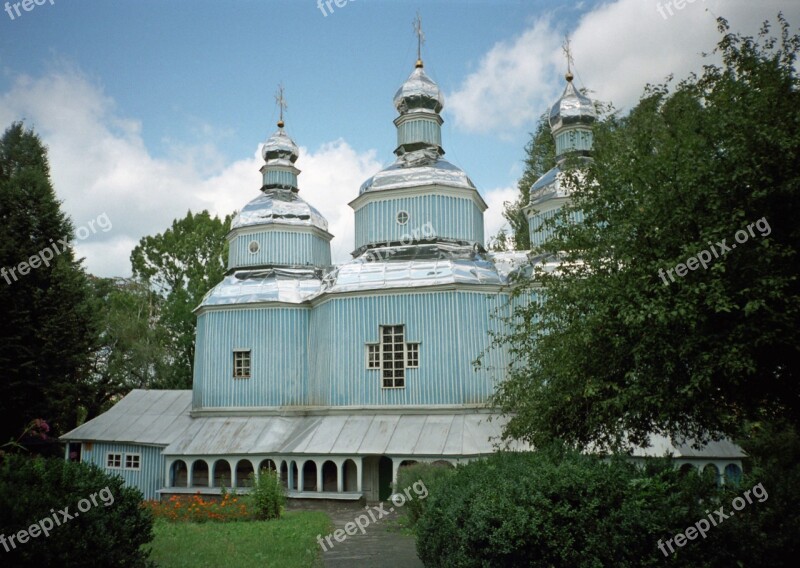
x=420, y=35
x=281, y=101
x=568, y=53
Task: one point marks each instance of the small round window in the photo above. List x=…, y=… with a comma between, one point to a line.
x=253, y=247
x=402, y=218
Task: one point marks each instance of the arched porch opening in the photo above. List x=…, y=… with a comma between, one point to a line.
x=179, y=474
x=350, y=476
x=222, y=474
x=309, y=476
x=330, y=476
x=200, y=473
x=244, y=473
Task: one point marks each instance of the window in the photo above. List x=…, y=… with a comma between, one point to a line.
x=373, y=356
x=241, y=364
x=132, y=461
x=402, y=218
x=392, y=356
x=412, y=355
x=114, y=461
x=253, y=247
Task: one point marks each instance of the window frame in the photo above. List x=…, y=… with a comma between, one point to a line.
x=130, y=457
x=237, y=367
x=114, y=458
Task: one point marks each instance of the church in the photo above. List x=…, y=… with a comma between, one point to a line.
x=337, y=376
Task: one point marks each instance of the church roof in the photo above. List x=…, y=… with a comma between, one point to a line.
x=279, y=206
x=289, y=285
x=415, y=169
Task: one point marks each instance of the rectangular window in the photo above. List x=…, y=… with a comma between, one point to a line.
x=241, y=364
x=132, y=461
x=373, y=356
x=412, y=355
x=393, y=370
x=114, y=461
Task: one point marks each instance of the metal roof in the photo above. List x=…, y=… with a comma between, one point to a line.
x=661, y=446
x=289, y=285
x=282, y=207
x=154, y=417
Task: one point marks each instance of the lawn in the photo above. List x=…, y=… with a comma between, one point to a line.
x=286, y=543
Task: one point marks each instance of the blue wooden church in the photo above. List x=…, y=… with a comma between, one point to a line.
x=337, y=376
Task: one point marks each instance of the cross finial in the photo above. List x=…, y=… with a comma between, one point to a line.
x=568, y=54
x=420, y=38
x=281, y=101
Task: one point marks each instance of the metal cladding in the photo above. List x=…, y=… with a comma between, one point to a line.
x=419, y=168
x=280, y=147
x=572, y=108
x=291, y=286
x=418, y=92
x=413, y=266
x=279, y=206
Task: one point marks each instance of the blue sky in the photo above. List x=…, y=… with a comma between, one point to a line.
x=152, y=107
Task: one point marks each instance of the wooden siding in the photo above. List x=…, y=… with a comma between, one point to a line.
x=278, y=340
x=279, y=248
x=148, y=478
x=451, y=217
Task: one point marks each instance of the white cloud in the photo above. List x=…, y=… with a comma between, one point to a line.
x=618, y=47
x=100, y=165
x=493, y=219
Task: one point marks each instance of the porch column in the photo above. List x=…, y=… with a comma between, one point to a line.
x=319, y=475
x=189, y=472
x=359, y=473
x=340, y=477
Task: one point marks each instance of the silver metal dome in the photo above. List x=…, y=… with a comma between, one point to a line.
x=418, y=168
x=280, y=147
x=279, y=206
x=572, y=108
x=418, y=92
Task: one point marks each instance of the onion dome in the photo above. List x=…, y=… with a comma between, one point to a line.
x=572, y=108
x=280, y=147
x=279, y=207
x=419, y=92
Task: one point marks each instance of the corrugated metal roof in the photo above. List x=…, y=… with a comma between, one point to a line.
x=161, y=417
x=143, y=417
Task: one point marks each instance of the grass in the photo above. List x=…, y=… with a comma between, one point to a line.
x=286, y=543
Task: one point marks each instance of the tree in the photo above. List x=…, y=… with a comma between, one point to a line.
x=182, y=265
x=47, y=331
x=540, y=156
x=133, y=345
x=619, y=342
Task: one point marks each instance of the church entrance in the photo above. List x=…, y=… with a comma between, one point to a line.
x=377, y=478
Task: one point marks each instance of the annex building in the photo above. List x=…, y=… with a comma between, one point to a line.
x=337, y=376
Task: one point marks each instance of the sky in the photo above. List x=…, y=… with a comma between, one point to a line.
x=152, y=108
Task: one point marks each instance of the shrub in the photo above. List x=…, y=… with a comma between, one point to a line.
x=556, y=508
x=432, y=476
x=109, y=534
x=267, y=496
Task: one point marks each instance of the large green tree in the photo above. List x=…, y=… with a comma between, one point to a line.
x=47, y=329
x=617, y=346
x=182, y=264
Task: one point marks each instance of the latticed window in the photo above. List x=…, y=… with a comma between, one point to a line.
x=132, y=461
x=241, y=364
x=114, y=460
x=392, y=356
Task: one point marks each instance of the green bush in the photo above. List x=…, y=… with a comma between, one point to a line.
x=267, y=496
x=432, y=476
x=110, y=533
x=557, y=508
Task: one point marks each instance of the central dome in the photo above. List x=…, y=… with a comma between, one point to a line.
x=418, y=92
x=280, y=147
x=572, y=108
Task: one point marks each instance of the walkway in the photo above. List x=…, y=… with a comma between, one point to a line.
x=383, y=544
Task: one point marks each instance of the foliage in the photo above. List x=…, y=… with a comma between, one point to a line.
x=32, y=489
x=268, y=496
x=431, y=475
x=290, y=541
x=48, y=331
x=774, y=448
x=193, y=508
x=182, y=265
x=610, y=351
x=561, y=508
x=133, y=350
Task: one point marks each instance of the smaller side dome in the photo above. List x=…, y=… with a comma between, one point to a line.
x=572, y=108
x=418, y=92
x=280, y=147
